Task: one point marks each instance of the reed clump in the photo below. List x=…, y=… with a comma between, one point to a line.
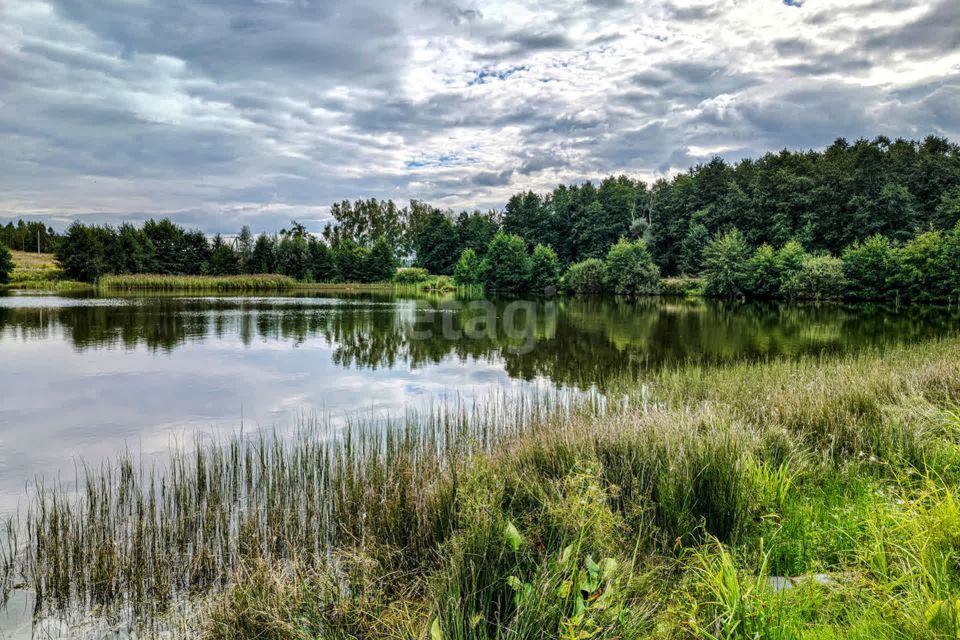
x=678, y=507
x=157, y=282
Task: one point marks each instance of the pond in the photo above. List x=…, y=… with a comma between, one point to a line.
x=83, y=378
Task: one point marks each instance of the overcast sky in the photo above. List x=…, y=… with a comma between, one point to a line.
x=225, y=112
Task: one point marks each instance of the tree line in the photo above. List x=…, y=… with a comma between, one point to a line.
x=824, y=202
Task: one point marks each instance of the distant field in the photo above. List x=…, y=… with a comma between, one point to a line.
x=25, y=260
x=39, y=271
x=34, y=266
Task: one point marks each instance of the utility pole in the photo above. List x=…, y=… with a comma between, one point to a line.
x=38, y=241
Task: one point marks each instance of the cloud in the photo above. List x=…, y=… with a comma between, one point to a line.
x=221, y=113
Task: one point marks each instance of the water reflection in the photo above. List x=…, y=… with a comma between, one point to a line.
x=570, y=341
x=85, y=377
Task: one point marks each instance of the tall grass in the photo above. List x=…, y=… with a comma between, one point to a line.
x=657, y=511
x=150, y=282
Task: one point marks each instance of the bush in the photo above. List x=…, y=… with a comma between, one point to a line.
x=468, y=270
x=870, y=268
x=411, y=275
x=586, y=277
x=507, y=265
x=790, y=259
x=725, y=265
x=682, y=286
x=630, y=270
x=6, y=264
x=819, y=278
x=544, y=269
x=764, y=273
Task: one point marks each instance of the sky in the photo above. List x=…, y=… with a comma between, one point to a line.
x=219, y=113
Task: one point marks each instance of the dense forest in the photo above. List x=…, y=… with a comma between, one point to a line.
x=872, y=219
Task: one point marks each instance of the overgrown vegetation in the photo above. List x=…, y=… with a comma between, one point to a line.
x=682, y=507
x=146, y=282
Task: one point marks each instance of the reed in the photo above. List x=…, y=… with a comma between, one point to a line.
x=151, y=282
x=659, y=509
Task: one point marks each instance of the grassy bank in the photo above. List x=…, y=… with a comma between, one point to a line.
x=817, y=498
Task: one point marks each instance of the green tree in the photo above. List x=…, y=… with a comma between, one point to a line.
x=725, y=265
x=380, y=264
x=468, y=270
x=433, y=238
x=293, y=257
x=586, y=277
x=321, y=261
x=544, y=269
x=764, y=273
x=870, y=268
x=167, y=239
x=6, y=264
x=224, y=261
x=691, y=251
x=81, y=253
x=507, y=264
x=349, y=260
x=134, y=252
x=244, y=247
x=194, y=252
x=630, y=269
x=948, y=210
x=263, y=259
x=476, y=230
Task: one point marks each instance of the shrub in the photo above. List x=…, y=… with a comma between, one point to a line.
x=790, y=259
x=869, y=267
x=820, y=278
x=682, y=286
x=6, y=264
x=411, y=275
x=725, y=265
x=764, y=273
x=586, y=277
x=630, y=270
x=468, y=270
x=544, y=268
x=507, y=265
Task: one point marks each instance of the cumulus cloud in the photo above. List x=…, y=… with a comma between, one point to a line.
x=220, y=113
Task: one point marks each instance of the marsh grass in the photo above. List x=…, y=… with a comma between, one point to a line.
x=652, y=512
x=154, y=282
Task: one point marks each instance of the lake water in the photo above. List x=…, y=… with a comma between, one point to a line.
x=84, y=377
